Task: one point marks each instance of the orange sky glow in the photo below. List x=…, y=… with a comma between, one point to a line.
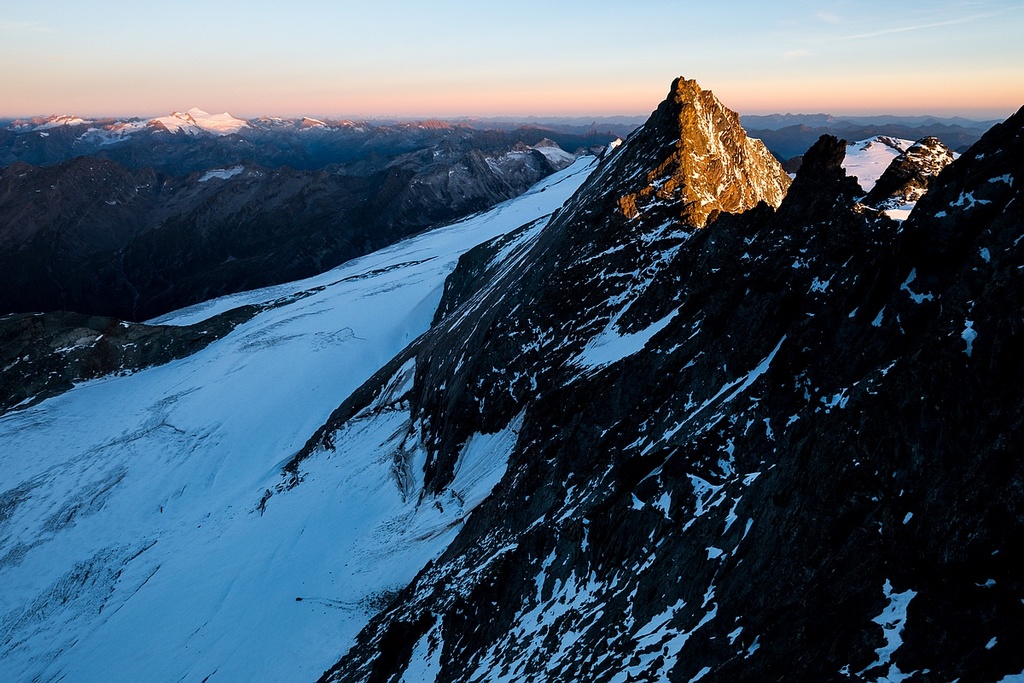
x=944, y=57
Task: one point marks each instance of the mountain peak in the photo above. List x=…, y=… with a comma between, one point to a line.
x=822, y=183
x=196, y=120
x=687, y=91
x=706, y=161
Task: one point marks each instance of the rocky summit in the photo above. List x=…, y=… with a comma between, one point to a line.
x=705, y=163
x=778, y=444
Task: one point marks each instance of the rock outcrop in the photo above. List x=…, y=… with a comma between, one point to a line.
x=45, y=354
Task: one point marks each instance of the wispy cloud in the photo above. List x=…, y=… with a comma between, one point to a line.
x=828, y=17
x=797, y=54
x=24, y=27
x=918, y=27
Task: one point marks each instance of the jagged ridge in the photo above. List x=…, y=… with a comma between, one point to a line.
x=744, y=451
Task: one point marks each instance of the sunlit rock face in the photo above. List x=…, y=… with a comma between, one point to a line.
x=696, y=156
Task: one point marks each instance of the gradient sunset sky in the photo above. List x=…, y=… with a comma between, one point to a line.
x=557, y=57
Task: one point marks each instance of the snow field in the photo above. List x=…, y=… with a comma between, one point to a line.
x=868, y=159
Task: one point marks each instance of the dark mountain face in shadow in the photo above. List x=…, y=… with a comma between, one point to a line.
x=776, y=445
x=99, y=237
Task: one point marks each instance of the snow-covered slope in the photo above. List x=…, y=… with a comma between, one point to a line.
x=196, y=120
x=558, y=157
x=137, y=542
x=867, y=160
x=908, y=177
x=63, y=120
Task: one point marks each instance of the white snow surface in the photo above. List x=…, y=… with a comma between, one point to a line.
x=63, y=120
x=115, y=133
x=868, y=159
x=558, y=157
x=900, y=213
x=221, y=173
x=133, y=543
x=893, y=620
x=610, y=346
x=195, y=120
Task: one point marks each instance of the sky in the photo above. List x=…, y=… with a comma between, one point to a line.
x=528, y=57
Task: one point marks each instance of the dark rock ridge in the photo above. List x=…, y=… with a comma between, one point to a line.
x=784, y=446
x=93, y=236
x=45, y=354
x=906, y=178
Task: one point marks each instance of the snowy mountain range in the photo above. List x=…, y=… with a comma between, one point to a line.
x=895, y=173
x=195, y=140
x=195, y=121
x=668, y=415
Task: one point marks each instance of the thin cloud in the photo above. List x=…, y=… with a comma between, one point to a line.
x=797, y=54
x=828, y=17
x=918, y=27
x=24, y=27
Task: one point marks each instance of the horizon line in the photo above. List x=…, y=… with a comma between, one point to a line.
x=512, y=118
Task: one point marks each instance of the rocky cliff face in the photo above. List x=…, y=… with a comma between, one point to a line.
x=578, y=279
x=775, y=445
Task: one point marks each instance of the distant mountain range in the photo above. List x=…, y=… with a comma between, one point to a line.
x=133, y=218
x=312, y=143
x=776, y=121
x=790, y=135
x=185, y=142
